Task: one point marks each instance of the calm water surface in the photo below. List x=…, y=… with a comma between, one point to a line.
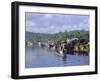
x=43, y=57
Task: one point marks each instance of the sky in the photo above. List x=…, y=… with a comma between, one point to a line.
x=54, y=23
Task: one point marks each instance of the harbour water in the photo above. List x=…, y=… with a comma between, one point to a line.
x=36, y=57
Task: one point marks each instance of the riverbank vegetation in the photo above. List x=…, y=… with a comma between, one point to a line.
x=68, y=41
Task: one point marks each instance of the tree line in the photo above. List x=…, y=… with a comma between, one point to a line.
x=30, y=36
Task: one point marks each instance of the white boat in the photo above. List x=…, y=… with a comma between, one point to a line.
x=61, y=53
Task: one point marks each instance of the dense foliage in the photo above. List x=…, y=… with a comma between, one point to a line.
x=57, y=36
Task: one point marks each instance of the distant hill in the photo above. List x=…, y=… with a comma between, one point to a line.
x=35, y=36
x=29, y=36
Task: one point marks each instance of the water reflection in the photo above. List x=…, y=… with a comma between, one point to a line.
x=42, y=57
x=64, y=59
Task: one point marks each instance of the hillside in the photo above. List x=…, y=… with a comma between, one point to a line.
x=57, y=36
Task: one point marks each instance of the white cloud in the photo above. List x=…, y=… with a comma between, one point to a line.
x=70, y=27
x=48, y=16
x=30, y=23
x=84, y=25
x=52, y=27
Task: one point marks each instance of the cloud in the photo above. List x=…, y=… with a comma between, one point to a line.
x=54, y=23
x=30, y=25
x=48, y=16
x=84, y=25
